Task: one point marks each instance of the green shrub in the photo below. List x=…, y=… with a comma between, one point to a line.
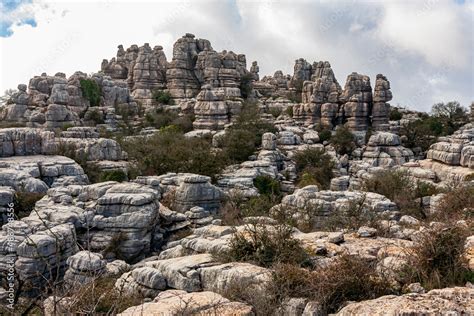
x=238, y=145
x=343, y=141
x=325, y=135
x=398, y=186
x=170, y=151
x=294, y=97
x=242, y=139
x=246, y=85
x=395, y=115
x=314, y=165
x=159, y=118
x=266, y=185
x=275, y=112
x=237, y=207
x=113, y=175
x=162, y=97
x=437, y=261
x=91, y=91
x=265, y=247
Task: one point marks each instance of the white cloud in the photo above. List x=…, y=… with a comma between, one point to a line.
x=409, y=43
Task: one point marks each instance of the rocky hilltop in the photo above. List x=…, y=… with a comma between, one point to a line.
x=196, y=186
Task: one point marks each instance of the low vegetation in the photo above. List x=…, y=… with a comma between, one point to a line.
x=314, y=166
x=348, y=278
x=437, y=259
x=265, y=246
x=170, y=151
x=343, y=141
x=400, y=188
x=159, y=118
x=444, y=120
x=245, y=135
x=91, y=91
x=162, y=97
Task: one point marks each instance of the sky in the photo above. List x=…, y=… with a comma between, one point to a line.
x=424, y=47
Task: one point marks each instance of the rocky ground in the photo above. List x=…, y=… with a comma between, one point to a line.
x=133, y=191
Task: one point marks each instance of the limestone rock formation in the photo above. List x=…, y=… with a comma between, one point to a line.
x=83, y=267
x=37, y=173
x=57, y=101
x=455, y=150
x=384, y=149
x=143, y=69
x=456, y=300
x=357, y=100
x=174, y=302
x=326, y=202
x=380, y=107
x=320, y=97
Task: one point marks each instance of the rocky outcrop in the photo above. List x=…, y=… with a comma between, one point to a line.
x=187, y=190
x=455, y=150
x=320, y=97
x=57, y=101
x=240, y=178
x=37, y=255
x=458, y=300
x=357, y=101
x=197, y=190
x=84, y=267
x=309, y=200
x=143, y=68
x=37, y=174
x=214, y=109
x=6, y=205
x=83, y=141
x=380, y=107
x=175, y=302
x=384, y=150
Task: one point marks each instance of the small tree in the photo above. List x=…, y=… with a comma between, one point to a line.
x=162, y=97
x=343, y=141
x=91, y=91
x=452, y=115
x=314, y=163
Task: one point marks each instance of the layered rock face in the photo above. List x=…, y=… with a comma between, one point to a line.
x=55, y=102
x=38, y=254
x=457, y=300
x=276, y=85
x=143, y=68
x=175, y=302
x=357, y=101
x=380, y=107
x=455, y=150
x=384, y=150
x=320, y=97
x=324, y=102
x=323, y=203
x=212, y=111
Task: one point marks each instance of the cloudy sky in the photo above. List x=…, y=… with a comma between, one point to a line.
x=424, y=47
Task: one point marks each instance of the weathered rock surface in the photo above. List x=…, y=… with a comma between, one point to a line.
x=456, y=301
x=176, y=302
x=38, y=173
x=84, y=267
x=384, y=150
x=455, y=150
